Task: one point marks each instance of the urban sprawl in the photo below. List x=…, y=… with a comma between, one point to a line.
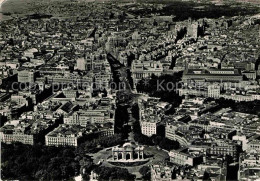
x=128, y=96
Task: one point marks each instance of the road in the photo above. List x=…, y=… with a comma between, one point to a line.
x=119, y=73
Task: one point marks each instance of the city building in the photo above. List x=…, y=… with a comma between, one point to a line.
x=225, y=147
x=161, y=173
x=26, y=76
x=65, y=135
x=211, y=75
x=149, y=127
x=183, y=157
x=81, y=64
x=26, y=132
x=249, y=166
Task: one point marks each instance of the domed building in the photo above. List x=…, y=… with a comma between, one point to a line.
x=129, y=152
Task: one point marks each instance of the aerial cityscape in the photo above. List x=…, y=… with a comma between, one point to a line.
x=158, y=90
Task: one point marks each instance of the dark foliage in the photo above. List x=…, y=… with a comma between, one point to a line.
x=114, y=173
x=251, y=107
x=121, y=118
x=185, y=9
x=145, y=172
x=169, y=144
x=94, y=145
x=135, y=111
x=26, y=162
x=129, y=164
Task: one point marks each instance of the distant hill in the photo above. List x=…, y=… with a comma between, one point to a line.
x=214, y=1
x=249, y=1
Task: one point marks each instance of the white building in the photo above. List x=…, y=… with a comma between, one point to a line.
x=81, y=64
x=149, y=128
x=214, y=91
x=183, y=157
x=64, y=135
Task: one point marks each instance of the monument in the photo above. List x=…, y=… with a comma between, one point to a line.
x=128, y=152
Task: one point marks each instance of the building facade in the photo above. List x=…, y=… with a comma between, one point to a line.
x=149, y=128
x=128, y=152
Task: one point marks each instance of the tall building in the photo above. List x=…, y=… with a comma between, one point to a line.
x=214, y=91
x=26, y=76
x=193, y=29
x=81, y=64
x=149, y=127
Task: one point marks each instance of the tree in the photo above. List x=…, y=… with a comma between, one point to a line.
x=156, y=139
x=169, y=144
x=143, y=139
x=135, y=111
x=26, y=162
x=206, y=176
x=250, y=107
x=114, y=173
x=145, y=172
x=121, y=117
